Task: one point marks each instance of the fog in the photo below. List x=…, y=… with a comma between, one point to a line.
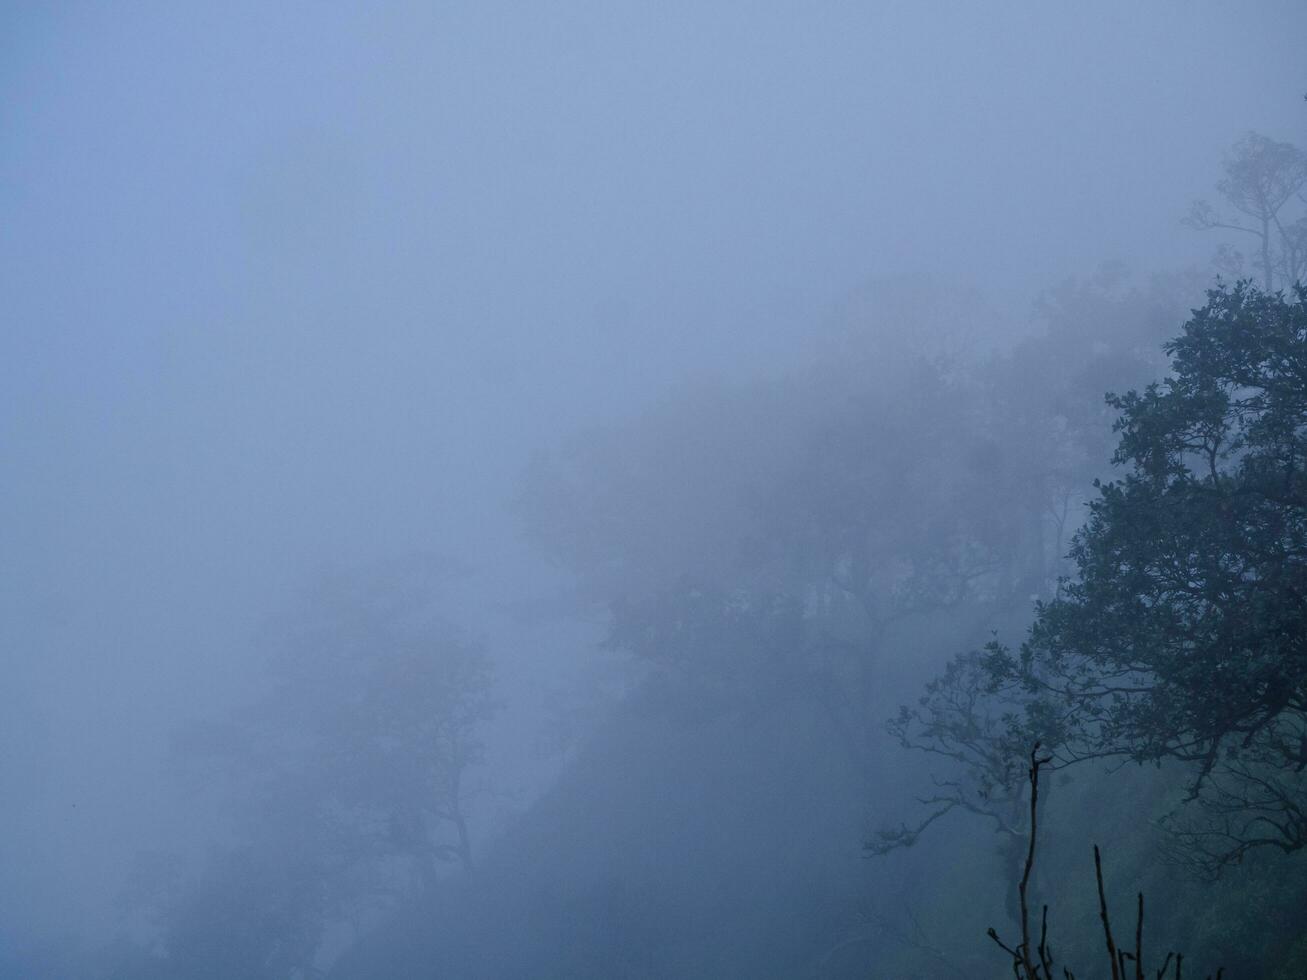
x=304, y=293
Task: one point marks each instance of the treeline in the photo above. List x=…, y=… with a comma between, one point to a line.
x=826, y=535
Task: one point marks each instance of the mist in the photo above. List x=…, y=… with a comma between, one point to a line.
x=502, y=329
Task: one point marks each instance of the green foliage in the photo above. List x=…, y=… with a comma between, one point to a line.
x=1184, y=633
x=1181, y=641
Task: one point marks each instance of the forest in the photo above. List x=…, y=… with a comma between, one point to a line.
x=683, y=607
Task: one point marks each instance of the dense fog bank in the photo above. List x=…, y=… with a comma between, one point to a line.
x=480, y=480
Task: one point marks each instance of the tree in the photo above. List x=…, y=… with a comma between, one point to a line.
x=1263, y=179
x=350, y=772
x=960, y=719
x=1183, y=634
x=388, y=699
x=783, y=538
x=1045, y=410
x=382, y=699
x=1050, y=434
x=964, y=722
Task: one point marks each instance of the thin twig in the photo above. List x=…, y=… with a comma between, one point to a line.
x=1102, y=912
x=1139, y=940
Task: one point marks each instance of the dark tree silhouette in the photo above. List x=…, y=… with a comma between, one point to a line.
x=1184, y=633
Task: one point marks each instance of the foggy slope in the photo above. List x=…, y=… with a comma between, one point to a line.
x=657, y=855
x=573, y=489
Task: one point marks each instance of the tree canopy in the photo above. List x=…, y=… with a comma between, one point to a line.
x=1184, y=632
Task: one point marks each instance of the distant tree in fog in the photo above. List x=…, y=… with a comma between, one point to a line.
x=384, y=700
x=1265, y=184
x=1047, y=436
x=796, y=534
x=772, y=540
x=351, y=776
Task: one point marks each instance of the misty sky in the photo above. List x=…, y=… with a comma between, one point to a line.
x=289, y=285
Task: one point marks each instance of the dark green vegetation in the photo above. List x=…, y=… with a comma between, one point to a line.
x=1181, y=638
x=1184, y=633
